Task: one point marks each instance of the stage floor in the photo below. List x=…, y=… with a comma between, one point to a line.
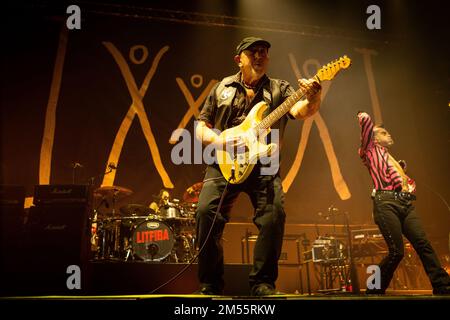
x=390, y=295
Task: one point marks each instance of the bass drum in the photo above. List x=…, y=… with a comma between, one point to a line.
x=153, y=240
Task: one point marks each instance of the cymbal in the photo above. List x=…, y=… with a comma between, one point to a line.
x=136, y=210
x=113, y=191
x=193, y=192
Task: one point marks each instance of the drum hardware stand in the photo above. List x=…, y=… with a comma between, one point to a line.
x=353, y=274
x=110, y=237
x=305, y=243
x=175, y=247
x=341, y=265
x=111, y=167
x=129, y=253
x=102, y=232
x=344, y=268
x=99, y=228
x=117, y=231
x=91, y=181
x=328, y=273
x=185, y=247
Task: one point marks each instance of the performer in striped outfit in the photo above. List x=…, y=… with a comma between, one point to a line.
x=393, y=209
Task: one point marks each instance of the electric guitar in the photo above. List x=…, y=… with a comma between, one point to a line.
x=236, y=164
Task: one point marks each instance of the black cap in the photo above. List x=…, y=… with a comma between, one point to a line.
x=248, y=42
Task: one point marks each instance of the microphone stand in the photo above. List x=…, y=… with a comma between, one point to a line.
x=101, y=226
x=353, y=274
x=75, y=166
x=92, y=179
x=305, y=243
x=332, y=212
x=74, y=169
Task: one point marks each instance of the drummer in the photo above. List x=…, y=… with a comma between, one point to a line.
x=161, y=200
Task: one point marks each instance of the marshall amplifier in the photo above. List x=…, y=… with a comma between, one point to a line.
x=62, y=193
x=56, y=237
x=59, y=220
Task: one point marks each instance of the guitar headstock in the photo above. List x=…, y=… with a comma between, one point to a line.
x=329, y=71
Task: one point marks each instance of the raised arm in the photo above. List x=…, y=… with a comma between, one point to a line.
x=366, y=124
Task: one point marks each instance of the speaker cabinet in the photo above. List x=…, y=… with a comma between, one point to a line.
x=11, y=225
x=290, y=251
x=58, y=233
x=55, y=237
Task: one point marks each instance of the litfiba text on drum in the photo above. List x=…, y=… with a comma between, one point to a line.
x=152, y=235
x=153, y=240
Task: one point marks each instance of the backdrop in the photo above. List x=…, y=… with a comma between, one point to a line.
x=116, y=89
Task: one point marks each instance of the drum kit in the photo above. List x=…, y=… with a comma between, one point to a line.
x=135, y=232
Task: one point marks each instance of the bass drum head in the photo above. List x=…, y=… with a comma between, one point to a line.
x=153, y=240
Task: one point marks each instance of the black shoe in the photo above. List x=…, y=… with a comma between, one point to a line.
x=263, y=289
x=208, y=291
x=441, y=290
x=375, y=292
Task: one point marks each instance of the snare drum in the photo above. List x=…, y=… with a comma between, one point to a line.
x=153, y=240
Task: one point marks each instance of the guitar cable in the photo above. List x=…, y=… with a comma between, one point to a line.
x=177, y=275
x=437, y=194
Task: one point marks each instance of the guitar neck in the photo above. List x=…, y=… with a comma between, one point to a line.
x=282, y=109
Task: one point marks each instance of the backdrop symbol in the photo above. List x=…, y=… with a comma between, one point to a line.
x=194, y=105
x=144, y=55
x=136, y=107
x=196, y=81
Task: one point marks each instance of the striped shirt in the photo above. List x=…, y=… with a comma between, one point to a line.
x=384, y=170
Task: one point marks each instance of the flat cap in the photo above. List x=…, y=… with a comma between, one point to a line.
x=250, y=41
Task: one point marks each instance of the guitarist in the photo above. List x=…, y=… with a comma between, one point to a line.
x=226, y=106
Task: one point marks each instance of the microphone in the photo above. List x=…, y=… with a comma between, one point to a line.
x=75, y=165
x=332, y=209
x=112, y=166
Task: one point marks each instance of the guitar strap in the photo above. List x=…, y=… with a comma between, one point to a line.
x=276, y=94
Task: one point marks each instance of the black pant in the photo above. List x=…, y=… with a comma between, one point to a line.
x=267, y=197
x=396, y=216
